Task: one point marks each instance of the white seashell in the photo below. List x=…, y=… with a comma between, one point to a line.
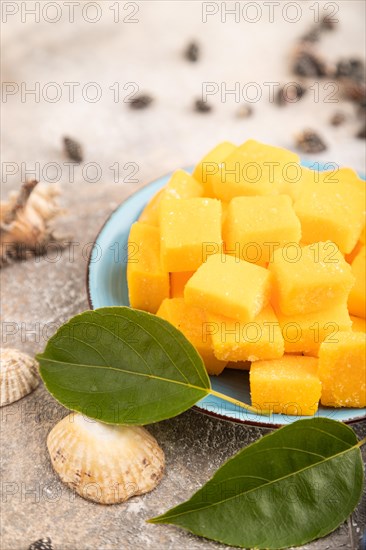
x=105, y=463
x=18, y=375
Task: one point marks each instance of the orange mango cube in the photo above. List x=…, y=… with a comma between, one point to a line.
x=211, y=165
x=148, y=283
x=178, y=281
x=253, y=169
x=229, y=286
x=356, y=300
x=317, y=279
x=342, y=370
x=235, y=341
x=255, y=226
x=289, y=385
x=305, y=333
x=151, y=212
x=180, y=186
x=358, y=324
x=191, y=321
x=332, y=209
x=189, y=230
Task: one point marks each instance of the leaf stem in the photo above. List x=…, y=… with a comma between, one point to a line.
x=240, y=403
x=361, y=443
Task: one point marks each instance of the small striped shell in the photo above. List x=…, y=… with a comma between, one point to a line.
x=18, y=375
x=104, y=463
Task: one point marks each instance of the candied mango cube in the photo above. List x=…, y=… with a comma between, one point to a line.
x=289, y=385
x=342, y=370
x=190, y=229
x=356, y=300
x=177, y=283
x=180, y=186
x=358, y=324
x=332, y=209
x=253, y=169
x=281, y=165
x=148, y=284
x=310, y=278
x=151, y=212
x=305, y=333
x=235, y=341
x=229, y=286
x=191, y=321
x=211, y=164
x=255, y=226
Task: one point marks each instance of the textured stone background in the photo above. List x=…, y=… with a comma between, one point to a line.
x=40, y=294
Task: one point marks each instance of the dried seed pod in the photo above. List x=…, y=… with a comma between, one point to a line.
x=73, y=149
x=141, y=101
x=42, y=544
x=328, y=24
x=290, y=94
x=312, y=35
x=192, y=52
x=244, y=111
x=351, y=68
x=105, y=463
x=338, y=118
x=355, y=90
x=25, y=220
x=18, y=375
x=361, y=134
x=202, y=106
x=310, y=142
x=307, y=63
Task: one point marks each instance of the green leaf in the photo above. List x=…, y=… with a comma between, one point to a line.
x=123, y=366
x=290, y=487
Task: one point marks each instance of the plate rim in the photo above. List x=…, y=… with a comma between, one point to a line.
x=257, y=424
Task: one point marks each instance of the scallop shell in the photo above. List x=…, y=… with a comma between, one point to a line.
x=18, y=375
x=104, y=463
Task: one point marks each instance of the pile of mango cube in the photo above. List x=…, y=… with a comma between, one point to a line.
x=260, y=263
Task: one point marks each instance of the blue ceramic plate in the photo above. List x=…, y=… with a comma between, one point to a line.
x=107, y=286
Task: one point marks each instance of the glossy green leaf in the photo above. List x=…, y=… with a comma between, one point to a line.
x=123, y=366
x=290, y=487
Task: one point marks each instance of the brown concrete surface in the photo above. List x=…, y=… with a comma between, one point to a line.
x=40, y=294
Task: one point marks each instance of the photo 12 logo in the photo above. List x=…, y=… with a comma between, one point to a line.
x=271, y=12
x=70, y=11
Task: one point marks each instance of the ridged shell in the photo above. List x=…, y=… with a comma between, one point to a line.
x=18, y=375
x=104, y=463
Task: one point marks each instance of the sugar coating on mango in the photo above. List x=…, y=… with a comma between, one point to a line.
x=177, y=283
x=254, y=169
x=148, y=283
x=211, y=164
x=182, y=186
x=191, y=321
x=190, y=229
x=255, y=226
x=310, y=278
x=332, y=209
x=358, y=324
x=237, y=341
x=304, y=333
x=229, y=286
x=356, y=300
x=289, y=385
x=342, y=370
